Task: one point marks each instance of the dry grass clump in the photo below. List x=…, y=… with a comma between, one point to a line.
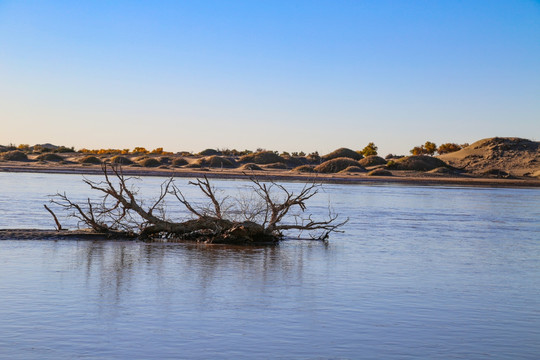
x=179, y=161
x=263, y=157
x=150, y=162
x=352, y=169
x=305, y=169
x=90, y=160
x=14, y=155
x=50, y=157
x=251, y=167
x=336, y=165
x=216, y=162
x=342, y=153
x=372, y=160
x=276, y=165
x=417, y=163
x=379, y=172
x=122, y=160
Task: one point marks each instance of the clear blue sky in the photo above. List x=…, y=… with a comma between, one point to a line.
x=282, y=75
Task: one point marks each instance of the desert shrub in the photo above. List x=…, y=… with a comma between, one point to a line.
x=448, y=148
x=314, y=158
x=276, y=165
x=336, y=165
x=342, y=153
x=429, y=148
x=372, y=160
x=165, y=160
x=50, y=157
x=14, y=155
x=140, y=150
x=90, y=160
x=417, y=163
x=263, y=157
x=64, y=149
x=150, y=162
x=353, y=169
x=209, y=152
x=304, y=169
x=180, y=161
x=38, y=149
x=216, y=162
x=369, y=150
x=251, y=167
x=122, y=160
x=379, y=172
x=294, y=161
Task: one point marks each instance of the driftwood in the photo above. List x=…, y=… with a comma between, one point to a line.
x=259, y=220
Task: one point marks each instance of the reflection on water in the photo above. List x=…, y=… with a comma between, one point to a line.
x=421, y=272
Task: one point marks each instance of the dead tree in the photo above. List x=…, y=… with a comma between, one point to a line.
x=120, y=211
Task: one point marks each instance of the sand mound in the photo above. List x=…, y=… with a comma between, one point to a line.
x=50, y=157
x=251, y=167
x=179, y=161
x=209, y=152
x=512, y=155
x=304, y=169
x=14, y=155
x=122, y=160
x=216, y=161
x=90, y=160
x=352, y=169
x=372, y=160
x=444, y=171
x=417, y=163
x=263, y=157
x=342, y=153
x=336, y=165
x=276, y=165
x=150, y=162
x=379, y=172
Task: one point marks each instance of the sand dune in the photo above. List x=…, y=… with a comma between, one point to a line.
x=516, y=156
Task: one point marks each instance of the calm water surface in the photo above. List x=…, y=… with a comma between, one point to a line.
x=421, y=272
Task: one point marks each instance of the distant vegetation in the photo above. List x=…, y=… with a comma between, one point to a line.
x=430, y=148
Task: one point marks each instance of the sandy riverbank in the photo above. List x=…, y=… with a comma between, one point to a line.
x=398, y=176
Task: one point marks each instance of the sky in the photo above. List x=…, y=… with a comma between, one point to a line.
x=279, y=75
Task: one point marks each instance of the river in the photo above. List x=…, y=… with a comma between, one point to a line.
x=420, y=272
